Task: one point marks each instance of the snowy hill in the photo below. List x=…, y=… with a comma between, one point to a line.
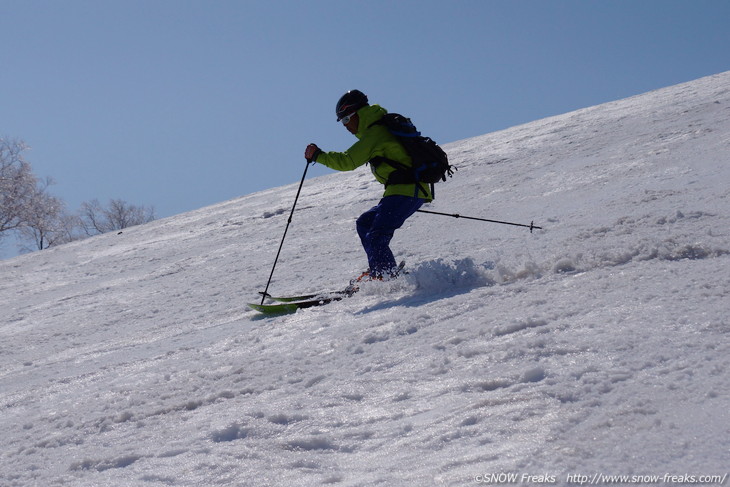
x=597, y=346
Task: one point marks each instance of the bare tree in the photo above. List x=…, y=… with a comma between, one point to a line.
x=96, y=219
x=26, y=207
x=40, y=219
x=47, y=222
x=18, y=185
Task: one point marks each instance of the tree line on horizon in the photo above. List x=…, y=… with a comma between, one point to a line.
x=40, y=220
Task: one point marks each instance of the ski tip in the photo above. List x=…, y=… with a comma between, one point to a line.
x=257, y=307
x=273, y=309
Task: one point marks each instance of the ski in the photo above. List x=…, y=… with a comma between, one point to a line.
x=306, y=297
x=282, y=307
x=289, y=299
x=290, y=304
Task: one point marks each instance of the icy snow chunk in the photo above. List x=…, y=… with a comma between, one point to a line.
x=308, y=444
x=535, y=374
x=231, y=433
x=277, y=212
x=102, y=465
x=518, y=326
x=564, y=266
x=286, y=419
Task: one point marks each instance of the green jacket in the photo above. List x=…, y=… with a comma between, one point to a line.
x=375, y=141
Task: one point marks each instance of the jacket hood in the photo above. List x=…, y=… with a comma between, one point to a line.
x=368, y=115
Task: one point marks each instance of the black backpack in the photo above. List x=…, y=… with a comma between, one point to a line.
x=430, y=163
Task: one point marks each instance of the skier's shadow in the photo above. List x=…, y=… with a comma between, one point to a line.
x=417, y=299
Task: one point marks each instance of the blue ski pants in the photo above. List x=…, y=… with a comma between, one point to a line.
x=377, y=226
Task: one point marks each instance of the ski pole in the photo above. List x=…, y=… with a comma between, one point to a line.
x=266, y=291
x=531, y=226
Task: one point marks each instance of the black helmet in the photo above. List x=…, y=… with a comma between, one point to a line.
x=350, y=102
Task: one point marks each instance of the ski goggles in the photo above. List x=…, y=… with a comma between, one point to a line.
x=346, y=119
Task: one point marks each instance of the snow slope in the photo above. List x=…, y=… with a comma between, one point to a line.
x=597, y=346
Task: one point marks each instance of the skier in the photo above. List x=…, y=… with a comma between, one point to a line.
x=377, y=225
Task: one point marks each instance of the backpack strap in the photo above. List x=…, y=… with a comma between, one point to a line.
x=402, y=175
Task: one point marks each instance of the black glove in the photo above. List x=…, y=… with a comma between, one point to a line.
x=311, y=152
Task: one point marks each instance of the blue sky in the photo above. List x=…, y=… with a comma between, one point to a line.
x=182, y=104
